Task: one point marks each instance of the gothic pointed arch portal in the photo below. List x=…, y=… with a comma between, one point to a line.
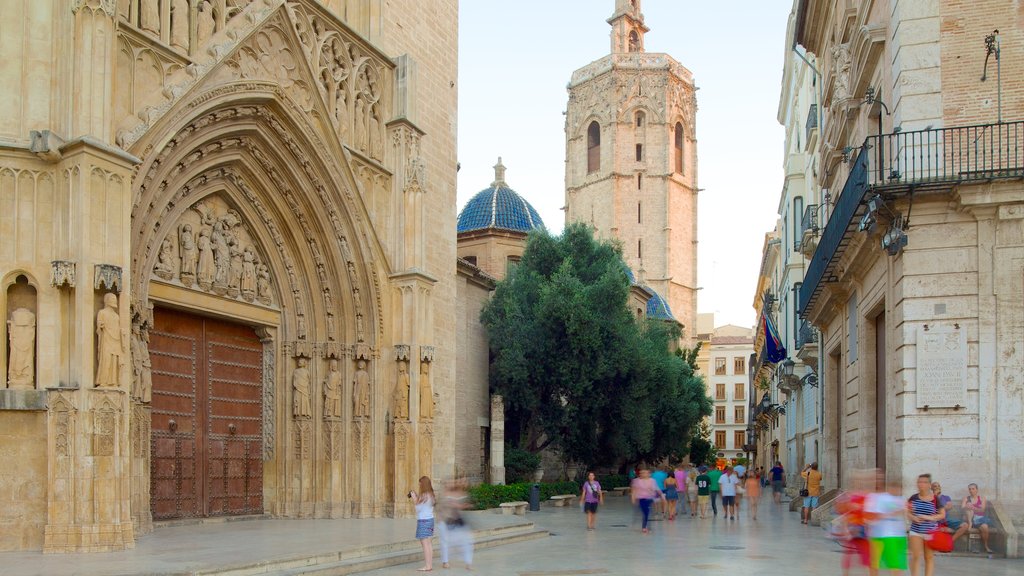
x=241, y=214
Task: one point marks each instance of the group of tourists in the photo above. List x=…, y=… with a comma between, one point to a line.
x=877, y=527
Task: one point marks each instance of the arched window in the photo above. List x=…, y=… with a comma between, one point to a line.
x=640, y=119
x=634, y=41
x=593, y=148
x=678, y=148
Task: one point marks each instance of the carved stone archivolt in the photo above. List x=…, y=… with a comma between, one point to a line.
x=211, y=249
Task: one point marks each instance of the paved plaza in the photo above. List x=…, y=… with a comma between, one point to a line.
x=776, y=545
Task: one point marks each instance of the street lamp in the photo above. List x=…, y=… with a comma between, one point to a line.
x=787, y=367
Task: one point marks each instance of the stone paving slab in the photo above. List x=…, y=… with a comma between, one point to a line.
x=776, y=545
x=223, y=547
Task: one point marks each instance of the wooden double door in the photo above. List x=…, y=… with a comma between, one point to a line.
x=206, y=455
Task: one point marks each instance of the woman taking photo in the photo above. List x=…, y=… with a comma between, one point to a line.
x=924, y=519
x=425, y=521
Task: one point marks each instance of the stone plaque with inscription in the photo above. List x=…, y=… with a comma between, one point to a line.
x=941, y=368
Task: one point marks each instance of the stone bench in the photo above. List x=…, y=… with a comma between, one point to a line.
x=517, y=508
x=621, y=490
x=562, y=500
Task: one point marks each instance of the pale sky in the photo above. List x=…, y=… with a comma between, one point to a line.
x=516, y=57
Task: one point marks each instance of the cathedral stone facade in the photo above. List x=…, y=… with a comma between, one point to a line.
x=217, y=293
x=631, y=161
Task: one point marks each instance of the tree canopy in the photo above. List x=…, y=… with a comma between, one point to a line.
x=576, y=369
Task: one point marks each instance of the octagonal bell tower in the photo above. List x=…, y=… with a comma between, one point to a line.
x=631, y=160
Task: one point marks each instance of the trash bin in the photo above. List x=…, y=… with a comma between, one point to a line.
x=535, y=498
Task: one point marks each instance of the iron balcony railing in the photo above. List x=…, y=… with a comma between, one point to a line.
x=921, y=160
x=806, y=334
x=810, y=219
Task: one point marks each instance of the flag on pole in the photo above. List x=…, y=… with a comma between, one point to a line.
x=775, y=351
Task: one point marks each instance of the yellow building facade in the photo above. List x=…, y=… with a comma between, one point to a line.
x=216, y=284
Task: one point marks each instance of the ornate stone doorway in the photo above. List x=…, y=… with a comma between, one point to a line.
x=206, y=441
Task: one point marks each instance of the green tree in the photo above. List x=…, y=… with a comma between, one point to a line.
x=575, y=368
x=701, y=449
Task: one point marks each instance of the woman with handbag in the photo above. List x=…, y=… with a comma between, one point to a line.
x=925, y=515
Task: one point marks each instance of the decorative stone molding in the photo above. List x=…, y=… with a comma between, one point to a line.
x=402, y=352
x=362, y=352
x=426, y=353
x=107, y=277
x=109, y=7
x=269, y=395
x=62, y=274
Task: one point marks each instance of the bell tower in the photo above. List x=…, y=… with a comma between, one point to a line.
x=631, y=160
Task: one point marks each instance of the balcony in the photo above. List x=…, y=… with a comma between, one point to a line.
x=812, y=125
x=809, y=225
x=807, y=343
x=925, y=160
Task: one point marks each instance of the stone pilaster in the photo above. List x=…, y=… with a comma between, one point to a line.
x=497, y=463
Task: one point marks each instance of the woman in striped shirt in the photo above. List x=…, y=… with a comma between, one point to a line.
x=924, y=515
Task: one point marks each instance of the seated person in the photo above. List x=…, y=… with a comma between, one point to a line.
x=974, y=507
x=950, y=524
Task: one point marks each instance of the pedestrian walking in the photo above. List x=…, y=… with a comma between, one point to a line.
x=590, y=497
x=643, y=492
x=424, y=500
x=887, y=530
x=453, y=529
x=925, y=516
x=680, y=476
x=659, y=476
x=727, y=484
x=671, y=497
x=691, y=490
x=778, y=476
x=753, y=488
x=714, y=475
x=851, y=526
x=703, y=491
x=811, y=491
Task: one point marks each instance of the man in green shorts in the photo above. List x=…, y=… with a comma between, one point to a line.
x=703, y=491
x=887, y=530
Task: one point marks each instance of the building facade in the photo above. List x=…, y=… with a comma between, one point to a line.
x=217, y=287
x=631, y=160
x=917, y=277
x=729, y=351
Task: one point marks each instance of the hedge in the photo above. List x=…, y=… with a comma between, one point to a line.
x=491, y=495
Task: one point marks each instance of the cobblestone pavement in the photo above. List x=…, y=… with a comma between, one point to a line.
x=777, y=544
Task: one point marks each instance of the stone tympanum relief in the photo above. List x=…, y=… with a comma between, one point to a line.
x=21, y=336
x=109, y=344
x=301, y=401
x=212, y=250
x=361, y=390
x=332, y=391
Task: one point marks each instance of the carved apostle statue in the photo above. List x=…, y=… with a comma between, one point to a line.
x=301, y=405
x=21, y=335
x=402, y=391
x=109, y=344
x=426, y=392
x=189, y=254
x=332, y=391
x=142, y=366
x=361, y=390
x=207, y=269
x=164, y=267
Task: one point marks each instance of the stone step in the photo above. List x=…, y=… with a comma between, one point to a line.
x=370, y=557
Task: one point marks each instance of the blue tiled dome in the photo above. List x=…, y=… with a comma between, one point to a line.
x=500, y=207
x=657, y=307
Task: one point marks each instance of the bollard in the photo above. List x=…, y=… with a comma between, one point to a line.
x=535, y=498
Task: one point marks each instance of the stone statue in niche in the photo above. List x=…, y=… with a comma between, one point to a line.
x=263, y=284
x=332, y=391
x=207, y=269
x=142, y=366
x=189, y=254
x=841, y=66
x=357, y=300
x=21, y=336
x=361, y=390
x=402, y=391
x=164, y=267
x=179, y=23
x=235, y=267
x=205, y=25
x=360, y=122
x=301, y=405
x=248, y=282
x=150, y=16
x=426, y=392
x=109, y=344
x=360, y=329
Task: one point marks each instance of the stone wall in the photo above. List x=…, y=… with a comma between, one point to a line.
x=23, y=483
x=472, y=400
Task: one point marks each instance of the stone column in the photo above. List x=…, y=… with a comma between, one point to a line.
x=497, y=463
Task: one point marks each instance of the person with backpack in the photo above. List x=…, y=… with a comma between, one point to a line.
x=591, y=497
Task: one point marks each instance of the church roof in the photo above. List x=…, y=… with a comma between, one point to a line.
x=499, y=207
x=657, y=307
